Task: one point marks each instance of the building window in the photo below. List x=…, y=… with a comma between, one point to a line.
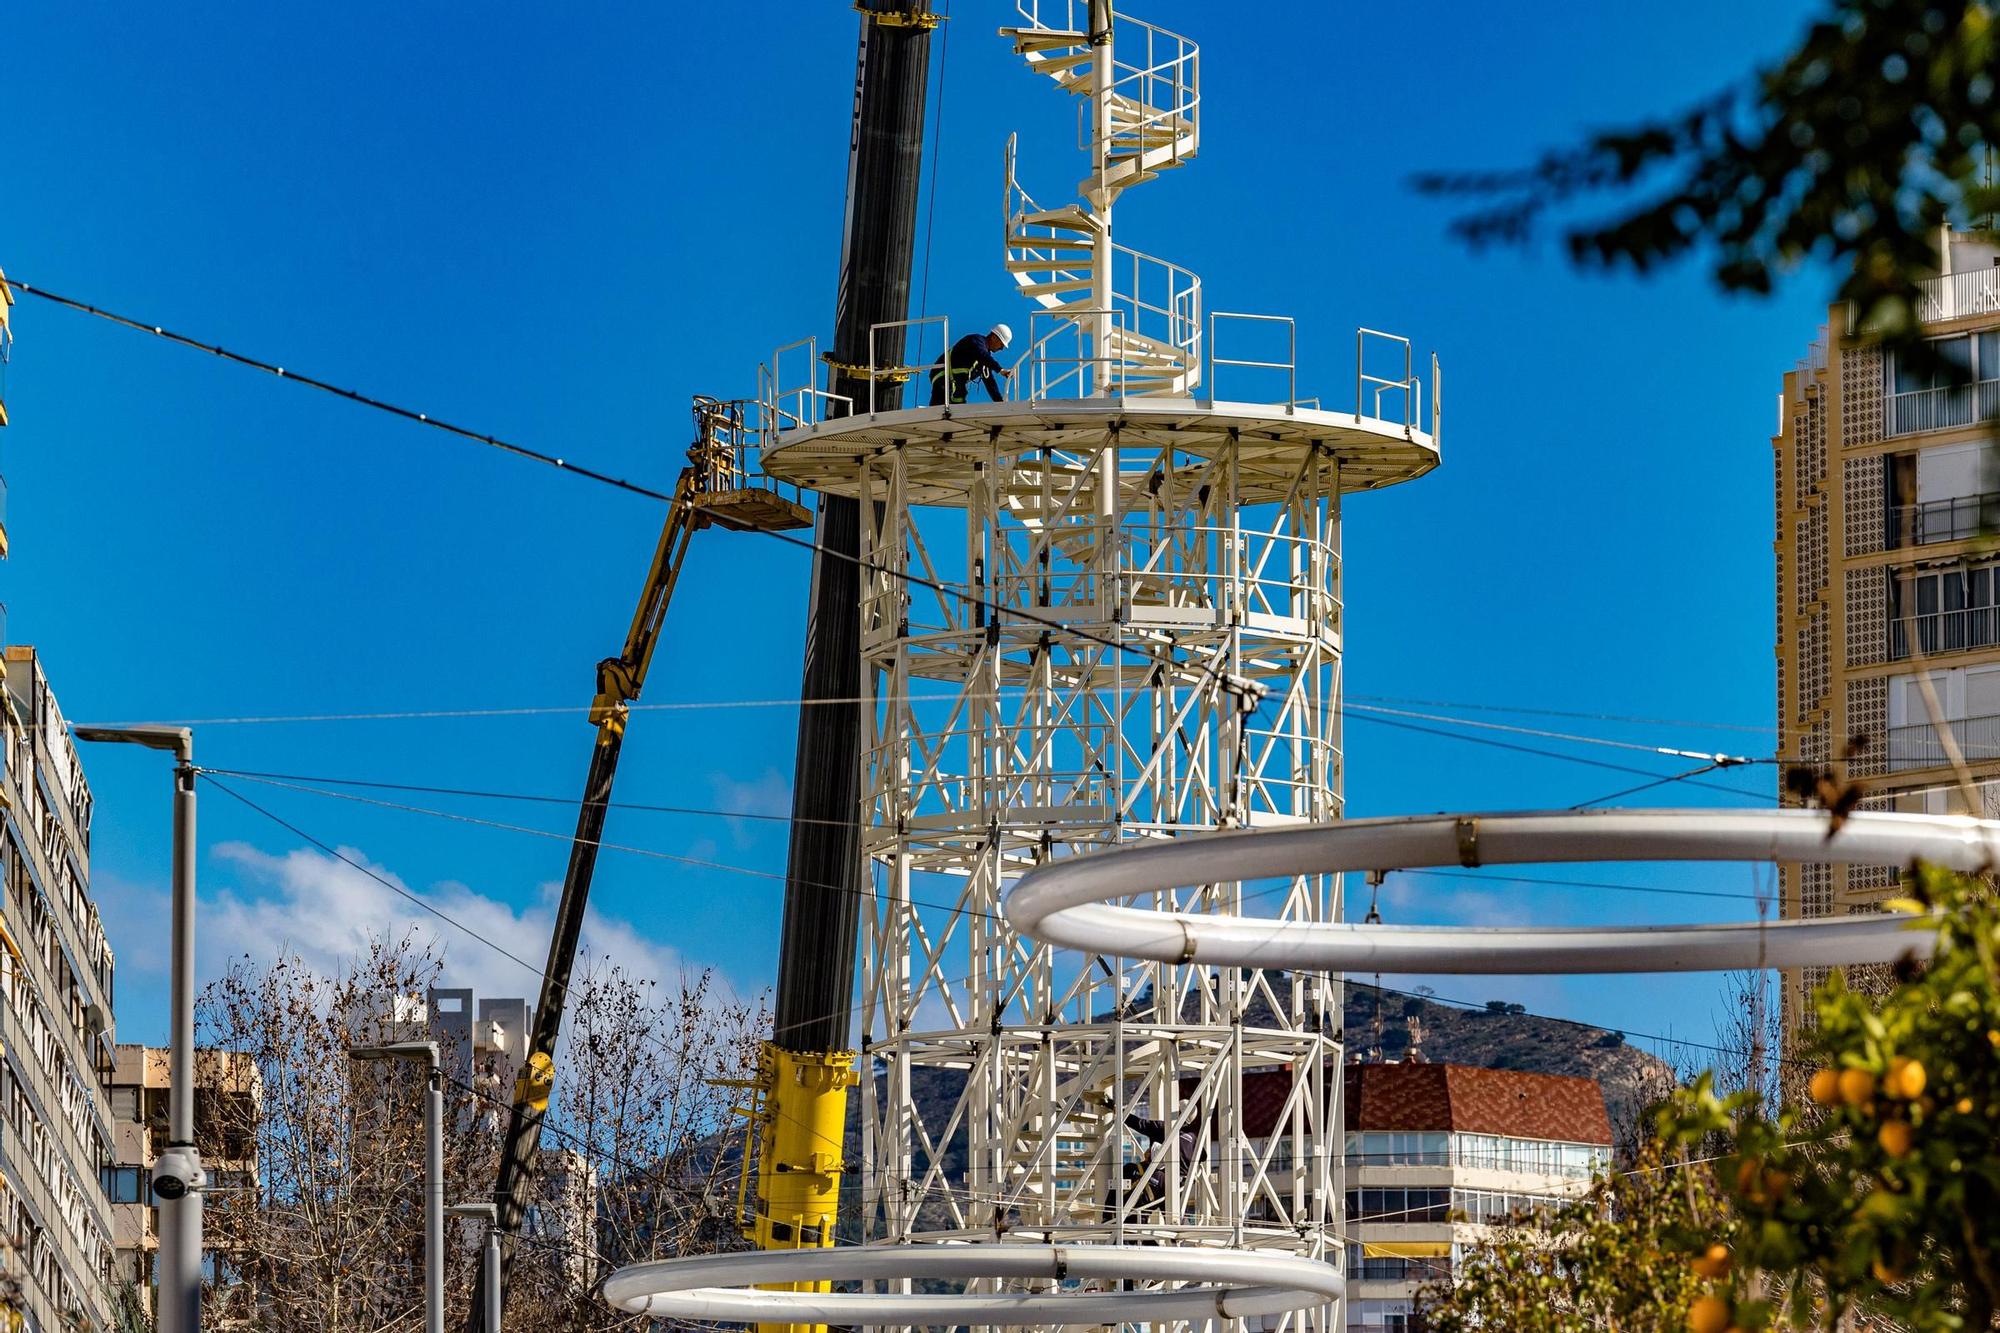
x=1399, y=1205
x=1957, y=385
x=124, y=1184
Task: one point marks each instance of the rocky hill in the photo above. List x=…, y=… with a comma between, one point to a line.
x=1502, y=1037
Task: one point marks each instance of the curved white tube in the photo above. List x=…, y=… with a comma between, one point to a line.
x=1234, y=1283
x=1064, y=904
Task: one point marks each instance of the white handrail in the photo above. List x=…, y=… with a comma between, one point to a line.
x=875, y=371
x=1290, y=365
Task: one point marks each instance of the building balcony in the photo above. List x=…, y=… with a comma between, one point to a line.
x=1942, y=408
x=1920, y=746
x=1959, y=295
x=1944, y=632
x=1950, y=520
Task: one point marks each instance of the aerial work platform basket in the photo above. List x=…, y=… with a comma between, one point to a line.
x=731, y=489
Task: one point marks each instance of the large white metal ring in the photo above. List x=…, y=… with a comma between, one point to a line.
x=1232, y=1284
x=1064, y=904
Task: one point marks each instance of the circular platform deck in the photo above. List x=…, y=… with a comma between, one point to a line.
x=942, y=445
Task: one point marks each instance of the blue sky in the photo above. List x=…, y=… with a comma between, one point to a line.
x=557, y=228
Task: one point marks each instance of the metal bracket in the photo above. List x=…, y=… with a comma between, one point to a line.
x=917, y=16
x=1467, y=829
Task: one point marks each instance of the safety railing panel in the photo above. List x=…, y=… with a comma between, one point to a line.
x=790, y=391
x=915, y=372
x=1245, y=323
x=1087, y=371
x=1404, y=392
x=1161, y=301
x=1920, y=746
x=1957, y=295
x=734, y=433
x=1936, y=632
x=1953, y=519
x=1942, y=408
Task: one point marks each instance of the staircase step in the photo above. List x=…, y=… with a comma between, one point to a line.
x=1025, y=242
x=1053, y=288
x=1070, y=217
x=1055, y=65
x=1041, y=39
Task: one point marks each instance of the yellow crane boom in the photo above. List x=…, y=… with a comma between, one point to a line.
x=717, y=488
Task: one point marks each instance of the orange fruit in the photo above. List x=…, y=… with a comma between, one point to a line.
x=1825, y=1087
x=1884, y=1274
x=1964, y=1106
x=1906, y=1079
x=1896, y=1137
x=1712, y=1262
x=1708, y=1314
x=1857, y=1086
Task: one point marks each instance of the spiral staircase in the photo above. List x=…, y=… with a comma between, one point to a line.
x=1138, y=316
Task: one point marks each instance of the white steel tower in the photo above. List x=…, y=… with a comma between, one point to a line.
x=1104, y=611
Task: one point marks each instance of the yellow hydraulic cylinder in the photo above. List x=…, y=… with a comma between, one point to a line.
x=801, y=1117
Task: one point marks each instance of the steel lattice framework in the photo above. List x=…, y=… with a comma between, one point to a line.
x=1171, y=662
x=1100, y=613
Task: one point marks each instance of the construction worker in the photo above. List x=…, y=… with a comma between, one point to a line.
x=1154, y=1194
x=972, y=358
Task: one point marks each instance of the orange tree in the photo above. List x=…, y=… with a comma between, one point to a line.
x=1881, y=1193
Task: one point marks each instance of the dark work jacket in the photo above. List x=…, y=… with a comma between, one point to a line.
x=970, y=360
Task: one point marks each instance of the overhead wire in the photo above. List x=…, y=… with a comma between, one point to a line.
x=324, y=386
x=1535, y=711
x=1553, y=754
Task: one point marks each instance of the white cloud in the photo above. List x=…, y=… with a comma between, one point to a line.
x=768, y=794
x=326, y=911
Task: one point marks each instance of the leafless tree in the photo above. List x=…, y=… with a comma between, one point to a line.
x=329, y=1234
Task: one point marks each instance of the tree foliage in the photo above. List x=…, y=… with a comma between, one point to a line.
x=1881, y=1192
x=1612, y=1259
x=1873, y=1202
x=1853, y=149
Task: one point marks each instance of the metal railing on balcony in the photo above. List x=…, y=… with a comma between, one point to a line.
x=1949, y=520
x=1956, y=295
x=1941, y=408
x=1944, y=631
x=1920, y=746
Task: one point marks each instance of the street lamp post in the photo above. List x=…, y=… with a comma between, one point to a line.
x=426, y=1051
x=489, y=1271
x=177, y=1177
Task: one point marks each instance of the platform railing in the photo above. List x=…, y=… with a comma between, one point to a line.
x=1290, y=365
x=1095, y=364
x=915, y=373
x=1409, y=386
x=790, y=403
x=733, y=431
x=1957, y=295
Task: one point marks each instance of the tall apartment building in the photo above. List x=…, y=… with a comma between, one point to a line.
x=228, y=1091
x=56, y=1053
x=1887, y=497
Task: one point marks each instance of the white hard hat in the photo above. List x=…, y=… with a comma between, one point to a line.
x=1002, y=332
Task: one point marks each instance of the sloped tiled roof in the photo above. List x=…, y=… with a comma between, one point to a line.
x=1475, y=1101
